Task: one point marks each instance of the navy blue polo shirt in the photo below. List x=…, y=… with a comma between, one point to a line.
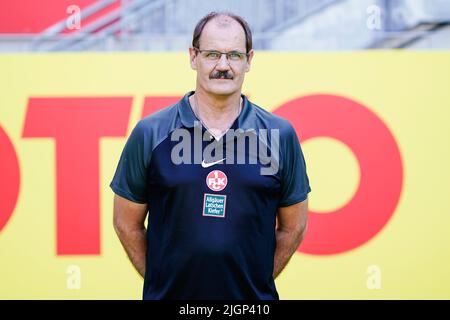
x=211, y=223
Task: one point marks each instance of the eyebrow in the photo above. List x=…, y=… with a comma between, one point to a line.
x=225, y=51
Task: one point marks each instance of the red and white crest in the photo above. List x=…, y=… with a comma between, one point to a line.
x=216, y=180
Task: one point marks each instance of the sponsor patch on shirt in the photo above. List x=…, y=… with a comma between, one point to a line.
x=214, y=205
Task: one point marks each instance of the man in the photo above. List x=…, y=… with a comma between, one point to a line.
x=216, y=229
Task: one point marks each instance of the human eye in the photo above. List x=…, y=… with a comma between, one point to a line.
x=234, y=55
x=212, y=55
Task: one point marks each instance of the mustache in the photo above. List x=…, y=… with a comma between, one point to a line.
x=221, y=74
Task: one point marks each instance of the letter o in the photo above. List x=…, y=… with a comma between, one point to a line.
x=9, y=178
x=378, y=155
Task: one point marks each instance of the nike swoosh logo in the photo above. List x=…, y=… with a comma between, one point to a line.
x=207, y=165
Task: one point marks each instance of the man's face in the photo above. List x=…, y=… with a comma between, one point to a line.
x=222, y=76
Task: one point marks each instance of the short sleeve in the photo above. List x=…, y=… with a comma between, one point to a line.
x=294, y=179
x=130, y=178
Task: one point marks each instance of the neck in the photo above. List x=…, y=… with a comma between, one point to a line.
x=216, y=112
x=216, y=106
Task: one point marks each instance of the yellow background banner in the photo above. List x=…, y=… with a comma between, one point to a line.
x=406, y=92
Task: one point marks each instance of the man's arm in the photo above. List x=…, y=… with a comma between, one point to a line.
x=290, y=230
x=129, y=220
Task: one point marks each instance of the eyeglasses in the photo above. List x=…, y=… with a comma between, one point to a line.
x=214, y=55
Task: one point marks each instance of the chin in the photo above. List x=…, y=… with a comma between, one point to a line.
x=222, y=90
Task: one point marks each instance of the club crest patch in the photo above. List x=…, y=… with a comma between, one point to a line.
x=216, y=180
x=214, y=205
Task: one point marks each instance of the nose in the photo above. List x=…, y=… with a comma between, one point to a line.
x=223, y=64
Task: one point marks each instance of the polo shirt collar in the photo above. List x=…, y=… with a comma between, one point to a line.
x=246, y=119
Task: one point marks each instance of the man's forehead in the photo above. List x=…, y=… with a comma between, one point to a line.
x=223, y=32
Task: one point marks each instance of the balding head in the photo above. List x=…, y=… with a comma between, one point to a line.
x=223, y=20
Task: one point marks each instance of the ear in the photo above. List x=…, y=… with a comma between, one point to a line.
x=249, y=60
x=193, y=58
